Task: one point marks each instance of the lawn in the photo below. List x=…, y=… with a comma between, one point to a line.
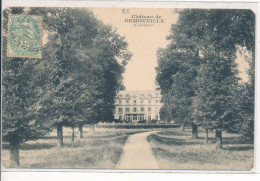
x=176, y=150
x=99, y=149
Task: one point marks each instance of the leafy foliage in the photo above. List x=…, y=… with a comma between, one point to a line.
x=197, y=72
x=73, y=84
x=25, y=86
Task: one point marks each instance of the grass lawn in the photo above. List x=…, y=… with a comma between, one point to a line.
x=99, y=149
x=176, y=150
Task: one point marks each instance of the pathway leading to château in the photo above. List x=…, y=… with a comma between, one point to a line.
x=137, y=153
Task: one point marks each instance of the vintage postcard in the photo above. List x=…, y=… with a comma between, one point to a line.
x=143, y=86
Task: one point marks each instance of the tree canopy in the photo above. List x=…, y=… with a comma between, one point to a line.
x=197, y=71
x=75, y=81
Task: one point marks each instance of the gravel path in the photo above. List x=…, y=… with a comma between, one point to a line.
x=137, y=153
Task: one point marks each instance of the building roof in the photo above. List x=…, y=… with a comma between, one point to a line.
x=139, y=93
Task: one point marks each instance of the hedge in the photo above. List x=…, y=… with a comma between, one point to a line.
x=137, y=126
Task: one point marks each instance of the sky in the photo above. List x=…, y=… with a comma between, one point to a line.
x=143, y=42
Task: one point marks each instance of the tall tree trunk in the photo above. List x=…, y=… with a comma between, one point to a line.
x=182, y=127
x=80, y=133
x=59, y=135
x=219, y=139
x=206, y=136
x=194, y=131
x=14, y=152
x=93, y=127
x=73, y=134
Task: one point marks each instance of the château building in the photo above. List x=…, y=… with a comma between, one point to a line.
x=137, y=105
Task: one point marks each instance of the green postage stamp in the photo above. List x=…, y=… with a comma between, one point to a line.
x=24, y=36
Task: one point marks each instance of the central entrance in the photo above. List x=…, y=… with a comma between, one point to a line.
x=134, y=117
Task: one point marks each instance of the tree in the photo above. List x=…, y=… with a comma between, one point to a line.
x=91, y=59
x=247, y=99
x=217, y=77
x=197, y=71
x=23, y=95
x=25, y=89
x=69, y=85
x=243, y=121
x=164, y=114
x=175, y=76
x=111, y=55
x=75, y=30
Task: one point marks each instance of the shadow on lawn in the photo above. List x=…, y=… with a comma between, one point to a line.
x=174, y=141
x=54, y=137
x=229, y=143
x=237, y=140
x=237, y=144
x=78, y=143
x=175, y=133
x=239, y=148
x=183, y=157
x=34, y=146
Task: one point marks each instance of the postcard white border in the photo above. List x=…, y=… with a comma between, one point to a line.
x=65, y=174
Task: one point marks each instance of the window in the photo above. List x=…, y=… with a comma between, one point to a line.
x=134, y=109
x=141, y=117
x=120, y=118
x=156, y=110
x=120, y=110
x=128, y=117
x=149, y=117
x=149, y=101
x=157, y=117
x=135, y=117
x=157, y=101
x=134, y=101
x=120, y=101
x=127, y=95
x=127, y=109
x=149, y=109
x=142, y=101
x=127, y=101
x=120, y=95
x=142, y=109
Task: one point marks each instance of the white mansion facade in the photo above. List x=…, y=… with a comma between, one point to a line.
x=137, y=105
